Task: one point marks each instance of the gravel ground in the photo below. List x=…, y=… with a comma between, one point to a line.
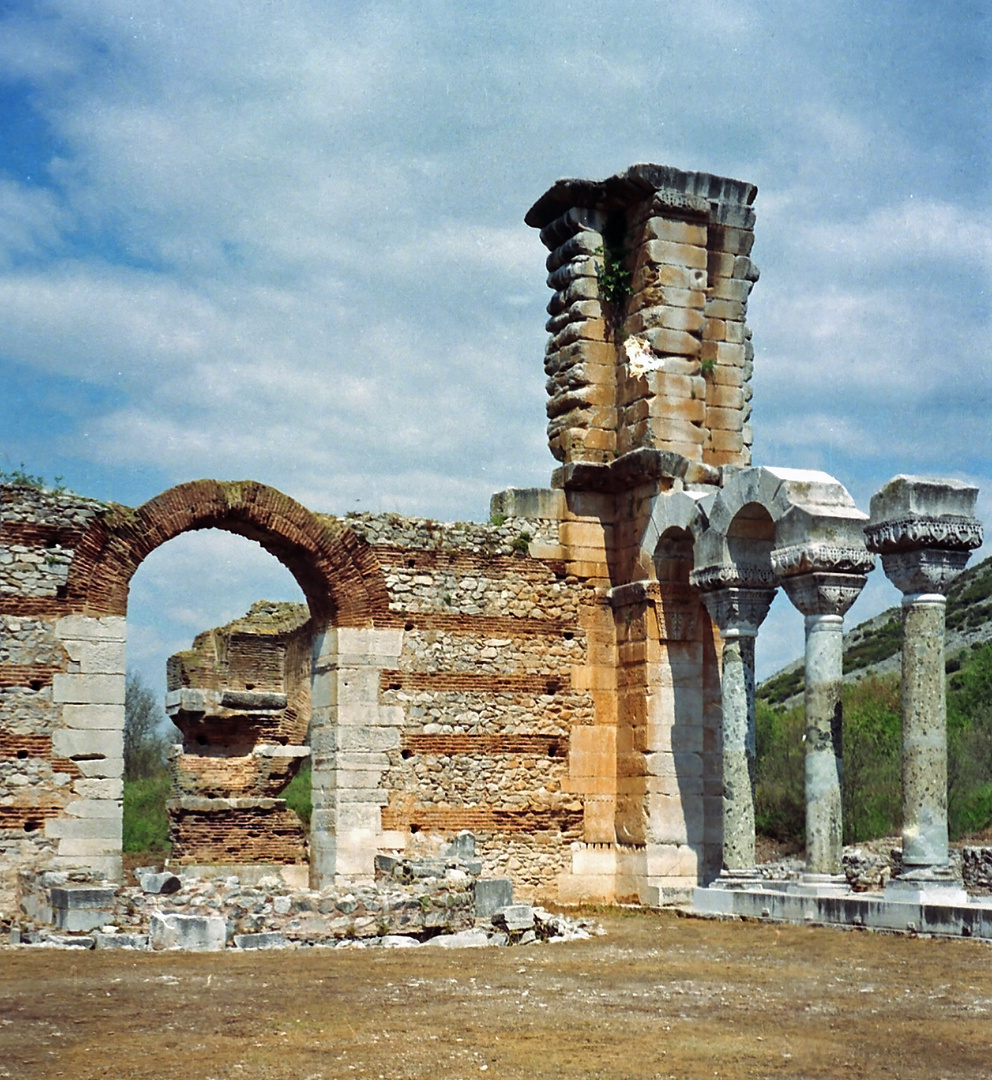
x=657, y=996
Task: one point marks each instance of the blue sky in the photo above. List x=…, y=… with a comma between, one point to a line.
x=284, y=241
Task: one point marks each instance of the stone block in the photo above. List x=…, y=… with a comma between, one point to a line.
x=674, y=342
x=82, y=907
x=649, y=275
x=586, y=889
x=672, y=861
x=727, y=441
x=110, y=865
x=268, y=940
x=732, y=310
x=76, y=743
x=94, y=717
x=724, y=419
x=120, y=941
x=545, y=504
x=723, y=352
x=98, y=789
x=724, y=397
x=726, y=376
x=88, y=689
x=475, y=938
x=732, y=289
x=720, y=264
x=106, y=829
x=492, y=894
x=195, y=933
x=678, y=232
x=88, y=628
x=923, y=496
x=100, y=657
x=160, y=884
x=514, y=918
x=664, y=251
x=94, y=808
x=100, y=768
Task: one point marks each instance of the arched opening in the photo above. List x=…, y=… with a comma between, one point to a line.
x=345, y=593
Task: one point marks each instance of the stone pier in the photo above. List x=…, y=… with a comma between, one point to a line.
x=738, y=611
x=924, y=530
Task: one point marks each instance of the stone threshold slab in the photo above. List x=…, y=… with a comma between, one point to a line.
x=862, y=910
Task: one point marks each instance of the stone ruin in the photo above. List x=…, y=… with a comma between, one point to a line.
x=573, y=682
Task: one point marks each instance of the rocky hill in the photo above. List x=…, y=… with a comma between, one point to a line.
x=873, y=647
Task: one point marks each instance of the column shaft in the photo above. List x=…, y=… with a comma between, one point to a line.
x=737, y=685
x=924, y=732
x=824, y=756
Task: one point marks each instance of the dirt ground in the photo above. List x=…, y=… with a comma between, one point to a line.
x=658, y=996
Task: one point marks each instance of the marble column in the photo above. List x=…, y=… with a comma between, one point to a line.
x=824, y=598
x=738, y=611
x=925, y=531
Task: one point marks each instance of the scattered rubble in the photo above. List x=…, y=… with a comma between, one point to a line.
x=438, y=901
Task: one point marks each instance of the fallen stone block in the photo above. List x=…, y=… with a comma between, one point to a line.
x=399, y=941
x=268, y=940
x=515, y=918
x=464, y=939
x=81, y=907
x=60, y=941
x=198, y=933
x=120, y=941
x=164, y=884
x=491, y=894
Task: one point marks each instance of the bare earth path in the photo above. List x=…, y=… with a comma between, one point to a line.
x=659, y=996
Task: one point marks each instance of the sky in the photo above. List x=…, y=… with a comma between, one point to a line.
x=284, y=241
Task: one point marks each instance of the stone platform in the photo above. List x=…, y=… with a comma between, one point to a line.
x=784, y=902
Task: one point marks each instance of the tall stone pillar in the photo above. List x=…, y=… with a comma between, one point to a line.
x=924, y=530
x=822, y=565
x=737, y=608
x=824, y=598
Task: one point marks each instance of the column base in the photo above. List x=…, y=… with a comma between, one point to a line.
x=748, y=878
x=820, y=885
x=927, y=885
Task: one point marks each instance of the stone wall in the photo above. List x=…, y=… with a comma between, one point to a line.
x=59, y=742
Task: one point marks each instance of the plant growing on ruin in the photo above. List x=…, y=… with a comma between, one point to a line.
x=520, y=544
x=613, y=275
x=497, y=519
x=20, y=477
x=707, y=366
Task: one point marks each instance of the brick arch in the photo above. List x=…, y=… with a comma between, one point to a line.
x=338, y=573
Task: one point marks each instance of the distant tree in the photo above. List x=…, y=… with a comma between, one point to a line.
x=145, y=742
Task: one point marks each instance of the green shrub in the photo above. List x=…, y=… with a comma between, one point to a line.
x=872, y=737
x=298, y=798
x=780, y=799
x=146, y=820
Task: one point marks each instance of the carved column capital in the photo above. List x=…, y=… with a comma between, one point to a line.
x=818, y=557
x=737, y=610
x=822, y=593
x=926, y=570
x=924, y=529
x=946, y=532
